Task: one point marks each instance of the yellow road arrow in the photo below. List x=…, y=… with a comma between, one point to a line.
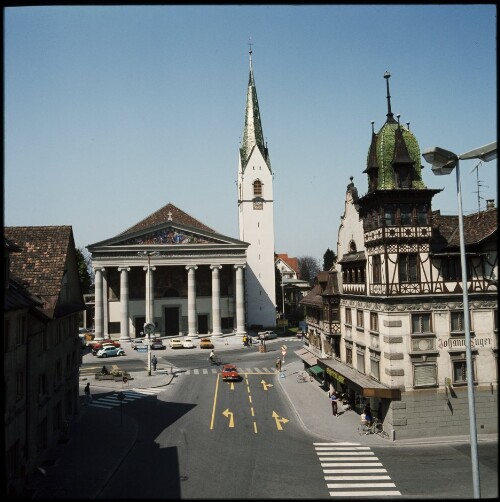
x=278, y=420
x=229, y=414
x=266, y=385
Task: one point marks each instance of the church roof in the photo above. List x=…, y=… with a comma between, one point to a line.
x=253, y=137
x=166, y=214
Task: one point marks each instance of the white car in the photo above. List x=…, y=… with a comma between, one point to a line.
x=110, y=350
x=267, y=335
x=175, y=343
x=187, y=343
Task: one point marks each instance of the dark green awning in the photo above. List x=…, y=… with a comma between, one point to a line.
x=316, y=370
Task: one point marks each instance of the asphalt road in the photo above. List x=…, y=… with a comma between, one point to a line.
x=202, y=438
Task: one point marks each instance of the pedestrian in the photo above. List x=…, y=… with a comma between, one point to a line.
x=88, y=395
x=226, y=342
x=278, y=364
x=367, y=412
x=155, y=362
x=333, y=398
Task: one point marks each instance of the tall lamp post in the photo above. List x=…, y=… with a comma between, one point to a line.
x=443, y=162
x=149, y=326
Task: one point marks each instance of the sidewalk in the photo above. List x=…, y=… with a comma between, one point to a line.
x=74, y=457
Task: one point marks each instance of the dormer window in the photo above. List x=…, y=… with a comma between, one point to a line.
x=402, y=174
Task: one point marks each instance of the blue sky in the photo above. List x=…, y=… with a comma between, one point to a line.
x=113, y=112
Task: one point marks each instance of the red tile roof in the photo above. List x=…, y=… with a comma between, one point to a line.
x=293, y=263
x=41, y=262
x=168, y=213
x=477, y=228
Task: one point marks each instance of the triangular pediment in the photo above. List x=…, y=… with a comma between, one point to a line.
x=168, y=227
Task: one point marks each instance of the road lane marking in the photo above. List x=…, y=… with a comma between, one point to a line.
x=215, y=403
x=229, y=414
x=370, y=493
x=279, y=420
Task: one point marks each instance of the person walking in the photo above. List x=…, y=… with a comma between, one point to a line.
x=368, y=414
x=88, y=395
x=278, y=364
x=154, y=361
x=334, y=398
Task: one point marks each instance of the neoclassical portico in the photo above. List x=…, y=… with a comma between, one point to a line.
x=178, y=274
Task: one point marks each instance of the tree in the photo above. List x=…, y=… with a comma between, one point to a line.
x=329, y=259
x=308, y=268
x=83, y=261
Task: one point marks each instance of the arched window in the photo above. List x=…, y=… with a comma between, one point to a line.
x=352, y=247
x=257, y=188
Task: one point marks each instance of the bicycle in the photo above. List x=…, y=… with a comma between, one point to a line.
x=379, y=429
x=304, y=376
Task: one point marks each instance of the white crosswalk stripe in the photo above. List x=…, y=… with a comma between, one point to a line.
x=354, y=470
x=112, y=401
x=215, y=371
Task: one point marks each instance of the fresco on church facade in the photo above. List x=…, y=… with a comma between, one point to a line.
x=169, y=236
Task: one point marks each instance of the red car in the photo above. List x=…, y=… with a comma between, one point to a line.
x=96, y=346
x=229, y=372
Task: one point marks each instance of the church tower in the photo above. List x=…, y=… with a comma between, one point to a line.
x=255, y=214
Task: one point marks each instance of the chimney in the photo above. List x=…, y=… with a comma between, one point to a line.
x=490, y=204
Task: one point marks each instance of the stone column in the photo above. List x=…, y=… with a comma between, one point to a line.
x=124, y=319
x=149, y=301
x=191, y=300
x=98, y=317
x=105, y=305
x=240, y=300
x=216, y=329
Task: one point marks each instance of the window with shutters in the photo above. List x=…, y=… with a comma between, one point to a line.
x=424, y=375
x=374, y=321
x=348, y=354
x=257, y=188
x=421, y=323
x=458, y=322
x=359, y=319
x=348, y=316
x=460, y=371
x=360, y=359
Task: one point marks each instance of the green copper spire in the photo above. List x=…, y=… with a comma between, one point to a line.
x=394, y=154
x=252, y=133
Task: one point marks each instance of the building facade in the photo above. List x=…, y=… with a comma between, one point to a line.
x=402, y=341
x=256, y=215
x=42, y=304
x=170, y=270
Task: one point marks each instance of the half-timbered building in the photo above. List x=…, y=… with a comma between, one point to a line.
x=402, y=343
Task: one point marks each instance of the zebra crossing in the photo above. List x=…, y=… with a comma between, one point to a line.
x=216, y=370
x=112, y=401
x=352, y=470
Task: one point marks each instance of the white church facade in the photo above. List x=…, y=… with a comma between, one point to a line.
x=177, y=273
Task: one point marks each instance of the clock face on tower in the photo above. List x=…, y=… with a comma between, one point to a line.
x=258, y=205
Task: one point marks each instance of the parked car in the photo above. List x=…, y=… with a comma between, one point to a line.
x=187, y=343
x=229, y=372
x=96, y=346
x=157, y=345
x=110, y=350
x=206, y=343
x=267, y=335
x=175, y=343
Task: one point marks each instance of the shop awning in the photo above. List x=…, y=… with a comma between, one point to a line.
x=317, y=370
x=307, y=356
x=364, y=385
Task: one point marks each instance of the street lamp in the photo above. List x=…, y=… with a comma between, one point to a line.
x=443, y=162
x=149, y=324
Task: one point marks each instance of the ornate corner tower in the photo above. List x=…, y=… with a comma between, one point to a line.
x=256, y=214
x=396, y=211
